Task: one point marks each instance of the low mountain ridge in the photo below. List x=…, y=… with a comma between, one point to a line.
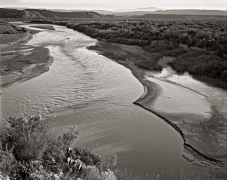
x=138, y=9
x=174, y=11
x=37, y=13
x=153, y=10
x=192, y=12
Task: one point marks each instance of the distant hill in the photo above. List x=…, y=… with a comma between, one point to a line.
x=153, y=10
x=11, y=13
x=132, y=13
x=176, y=12
x=138, y=9
x=104, y=12
x=129, y=12
x=192, y=12
x=37, y=13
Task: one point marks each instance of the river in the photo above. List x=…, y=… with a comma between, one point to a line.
x=96, y=95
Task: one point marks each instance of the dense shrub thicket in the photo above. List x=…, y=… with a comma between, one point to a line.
x=201, y=63
x=207, y=35
x=166, y=38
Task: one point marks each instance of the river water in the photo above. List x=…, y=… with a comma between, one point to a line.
x=95, y=94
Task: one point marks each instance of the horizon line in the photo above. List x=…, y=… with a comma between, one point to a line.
x=88, y=9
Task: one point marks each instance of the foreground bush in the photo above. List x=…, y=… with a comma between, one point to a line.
x=29, y=151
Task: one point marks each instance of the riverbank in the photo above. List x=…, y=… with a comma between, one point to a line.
x=95, y=94
x=20, y=61
x=204, y=143
x=127, y=56
x=192, y=52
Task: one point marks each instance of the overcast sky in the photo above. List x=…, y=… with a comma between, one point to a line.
x=116, y=4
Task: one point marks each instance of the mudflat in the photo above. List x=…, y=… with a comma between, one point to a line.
x=20, y=61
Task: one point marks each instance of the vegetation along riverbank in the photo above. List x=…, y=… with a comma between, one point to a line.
x=28, y=149
x=122, y=42
x=196, y=45
x=194, y=129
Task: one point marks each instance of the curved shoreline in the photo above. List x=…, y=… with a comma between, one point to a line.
x=192, y=153
x=186, y=145
x=151, y=91
x=149, y=95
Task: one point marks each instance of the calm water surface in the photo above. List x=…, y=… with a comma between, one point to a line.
x=95, y=94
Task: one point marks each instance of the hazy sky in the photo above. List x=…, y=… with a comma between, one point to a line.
x=116, y=4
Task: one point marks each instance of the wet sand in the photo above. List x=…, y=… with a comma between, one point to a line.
x=187, y=111
x=177, y=99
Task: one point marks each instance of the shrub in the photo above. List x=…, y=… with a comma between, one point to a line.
x=29, y=151
x=29, y=138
